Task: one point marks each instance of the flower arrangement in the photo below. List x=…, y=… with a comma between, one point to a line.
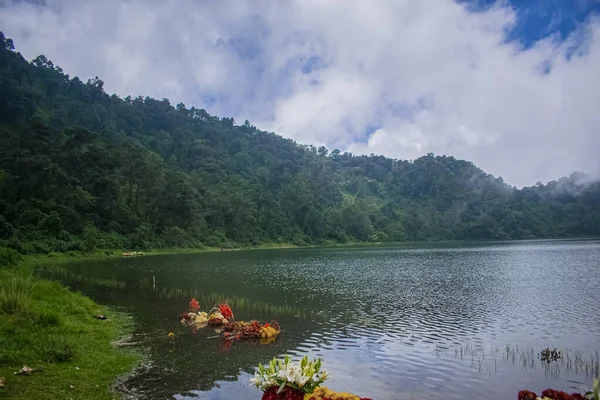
x=221, y=318
x=220, y=315
x=288, y=380
x=303, y=377
x=323, y=393
x=252, y=330
x=551, y=394
x=194, y=317
x=217, y=319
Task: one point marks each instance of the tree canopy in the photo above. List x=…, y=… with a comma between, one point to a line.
x=81, y=169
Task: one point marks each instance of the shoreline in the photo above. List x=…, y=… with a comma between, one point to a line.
x=32, y=259
x=53, y=257
x=46, y=326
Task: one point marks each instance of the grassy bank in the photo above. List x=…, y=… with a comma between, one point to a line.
x=32, y=259
x=47, y=327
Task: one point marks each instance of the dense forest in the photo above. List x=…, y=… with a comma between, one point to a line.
x=81, y=169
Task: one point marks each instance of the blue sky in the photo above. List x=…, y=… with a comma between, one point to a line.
x=509, y=85
x=538, y=19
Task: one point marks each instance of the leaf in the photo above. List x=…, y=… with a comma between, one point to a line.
x=272, y=366
x=281, y=387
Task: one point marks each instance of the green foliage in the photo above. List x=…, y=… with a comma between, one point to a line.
x=9, y=257
x=45, y=326
x=81, y=170
x=16, y=293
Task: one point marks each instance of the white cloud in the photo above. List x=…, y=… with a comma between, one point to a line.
x=429, y=75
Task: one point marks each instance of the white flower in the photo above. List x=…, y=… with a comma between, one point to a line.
x=258, y=380
x=282, y=374
x=301, y=381
x=270, y=380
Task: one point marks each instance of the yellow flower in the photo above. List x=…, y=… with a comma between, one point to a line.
x=268, y=332
x=322, y=392
x=201, y=318
x=171, y=334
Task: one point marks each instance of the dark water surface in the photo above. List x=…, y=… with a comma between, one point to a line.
x=443, y=321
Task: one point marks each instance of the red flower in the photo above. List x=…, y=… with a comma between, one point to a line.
x=267, y=325
x=551, y=394
x=194, y=305
x=560, y=395
x=226, y=311
x=526, y=395
x=286, y=394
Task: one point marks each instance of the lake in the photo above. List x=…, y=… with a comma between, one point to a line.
x=414, y=321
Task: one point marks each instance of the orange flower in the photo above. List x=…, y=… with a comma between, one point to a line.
x=226, y=311
x=194, y=305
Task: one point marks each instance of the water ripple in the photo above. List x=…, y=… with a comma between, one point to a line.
x=446, y=322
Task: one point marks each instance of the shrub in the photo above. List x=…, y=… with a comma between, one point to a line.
x=16, y=293
x=9, y=257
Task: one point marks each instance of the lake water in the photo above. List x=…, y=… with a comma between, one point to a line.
x=438, y=321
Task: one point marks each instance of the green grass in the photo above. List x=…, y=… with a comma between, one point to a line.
x=33, y=259
x=47, y=327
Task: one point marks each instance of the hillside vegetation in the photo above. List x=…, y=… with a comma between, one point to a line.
x=81, y=169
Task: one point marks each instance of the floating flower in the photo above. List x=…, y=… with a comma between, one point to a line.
x=171, y=335
x=323, y=393
x=226, y=311
x=201, y=318
x=290, y=379
x=267, y=332
x=217, y=318
x=221, y=319
x=194, y=305
x=551, y=394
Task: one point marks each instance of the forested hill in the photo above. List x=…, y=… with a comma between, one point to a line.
x=82, y=169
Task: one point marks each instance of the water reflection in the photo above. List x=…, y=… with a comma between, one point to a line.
x=428, y=322
x=148, y=285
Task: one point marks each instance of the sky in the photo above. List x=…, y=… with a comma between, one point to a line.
x=513, y=86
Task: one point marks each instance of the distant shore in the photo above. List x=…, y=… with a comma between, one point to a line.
x=119, y=253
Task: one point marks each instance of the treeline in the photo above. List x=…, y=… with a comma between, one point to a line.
x=81, y=169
